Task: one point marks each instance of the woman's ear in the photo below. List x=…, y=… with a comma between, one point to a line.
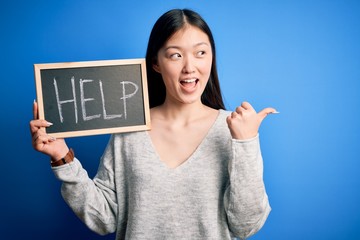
x=156, y=66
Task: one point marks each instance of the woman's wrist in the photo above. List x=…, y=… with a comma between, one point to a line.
x=66, y=158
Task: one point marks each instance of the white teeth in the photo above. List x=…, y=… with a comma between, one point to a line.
x=189, y=80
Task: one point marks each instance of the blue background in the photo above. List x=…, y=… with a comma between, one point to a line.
x=302, y=57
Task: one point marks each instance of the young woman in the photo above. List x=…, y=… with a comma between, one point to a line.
x=197, y=174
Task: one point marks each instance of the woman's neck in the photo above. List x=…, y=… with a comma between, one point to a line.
x=181, y=113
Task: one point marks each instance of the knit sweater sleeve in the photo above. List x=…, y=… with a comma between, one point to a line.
x=93, y=200
x=246, y=201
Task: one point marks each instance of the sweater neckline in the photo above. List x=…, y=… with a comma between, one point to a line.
x=196, y=151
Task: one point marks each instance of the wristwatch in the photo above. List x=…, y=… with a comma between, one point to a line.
x=69, y=157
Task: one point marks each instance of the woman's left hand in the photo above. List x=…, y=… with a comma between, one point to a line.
x=244, y=122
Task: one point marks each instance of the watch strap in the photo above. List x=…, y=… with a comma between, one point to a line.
x=69, y=157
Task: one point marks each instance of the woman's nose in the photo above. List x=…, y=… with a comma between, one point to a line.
x=188, y=65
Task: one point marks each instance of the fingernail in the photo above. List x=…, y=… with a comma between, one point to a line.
x=276, y=112
x=49, y=124
x=52, y=139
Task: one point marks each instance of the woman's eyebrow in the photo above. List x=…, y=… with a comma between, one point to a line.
x=201, y=43
x=179, y=47
x=169, y=47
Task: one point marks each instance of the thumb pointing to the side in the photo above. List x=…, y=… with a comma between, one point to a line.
x=266, y=111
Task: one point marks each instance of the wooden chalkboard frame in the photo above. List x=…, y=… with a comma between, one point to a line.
x=65, y=66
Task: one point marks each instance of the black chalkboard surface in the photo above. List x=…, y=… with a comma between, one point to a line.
x=94, y=97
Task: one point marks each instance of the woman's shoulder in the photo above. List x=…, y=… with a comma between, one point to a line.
x=220, y=123
x=223, y=113
x=129, y=136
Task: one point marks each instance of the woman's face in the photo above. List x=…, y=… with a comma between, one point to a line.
x=185, y=65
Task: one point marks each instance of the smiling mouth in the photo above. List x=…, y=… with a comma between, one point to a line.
x=189, y=82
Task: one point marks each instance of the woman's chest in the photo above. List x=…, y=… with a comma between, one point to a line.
x=205, y=171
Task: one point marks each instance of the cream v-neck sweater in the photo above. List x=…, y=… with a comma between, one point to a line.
x=218, y=193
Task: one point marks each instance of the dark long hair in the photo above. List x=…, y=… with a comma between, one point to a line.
x=169, y=23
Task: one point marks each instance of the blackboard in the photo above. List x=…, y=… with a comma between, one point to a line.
x=93, y=97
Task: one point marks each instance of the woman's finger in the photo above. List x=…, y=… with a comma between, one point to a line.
x=240, y=110
x=35, y=110
x=246, y=105
x=39, y=140
x=266, y=111
x=38, y=126
x=234, y=114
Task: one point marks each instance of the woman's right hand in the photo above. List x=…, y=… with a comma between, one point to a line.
x=44, y=143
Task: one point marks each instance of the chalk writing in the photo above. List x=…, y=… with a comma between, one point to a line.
x=126, y=94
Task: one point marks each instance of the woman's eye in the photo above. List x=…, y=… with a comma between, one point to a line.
x=175, y=56
x=200, y=53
